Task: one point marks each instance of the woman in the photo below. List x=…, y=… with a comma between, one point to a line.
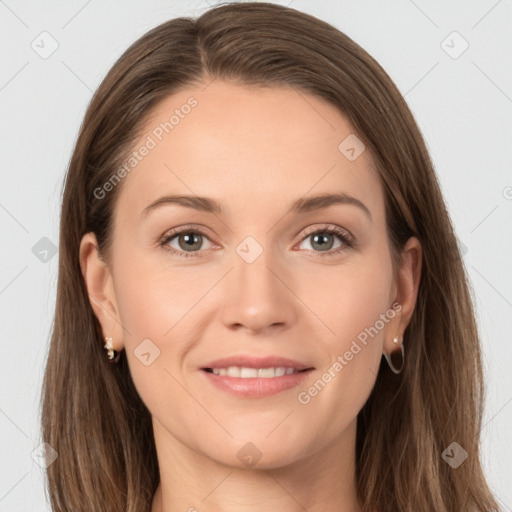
x=278, y=158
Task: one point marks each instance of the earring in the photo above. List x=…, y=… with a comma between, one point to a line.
x=396, y=341
x=113, y=355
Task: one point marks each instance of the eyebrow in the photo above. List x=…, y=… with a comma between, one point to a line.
x=303, y=204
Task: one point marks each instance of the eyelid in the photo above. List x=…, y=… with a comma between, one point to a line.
x=328, y=227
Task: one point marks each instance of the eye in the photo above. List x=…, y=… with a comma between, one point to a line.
x=322, y=240
x=188, y=241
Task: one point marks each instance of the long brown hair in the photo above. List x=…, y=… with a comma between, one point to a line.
x=92, y=414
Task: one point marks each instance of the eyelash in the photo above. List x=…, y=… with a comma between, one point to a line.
x=347, y=240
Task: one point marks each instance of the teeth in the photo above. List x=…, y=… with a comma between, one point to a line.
x=248, y=373
x=233, y=371
x=266, y=373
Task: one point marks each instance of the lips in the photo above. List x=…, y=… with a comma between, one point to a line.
x=247, y=376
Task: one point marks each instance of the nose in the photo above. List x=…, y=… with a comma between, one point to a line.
x=258, y=292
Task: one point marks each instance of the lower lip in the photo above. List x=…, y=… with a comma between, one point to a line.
x=256, y=387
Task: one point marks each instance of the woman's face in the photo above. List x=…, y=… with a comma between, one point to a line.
x=256, y=279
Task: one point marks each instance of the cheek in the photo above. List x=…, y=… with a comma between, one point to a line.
x=349, y=299
x=143, y=304
x=152, y=307
x=365, y=297
x=159, y=307
x=152, y=298
x=358, y=313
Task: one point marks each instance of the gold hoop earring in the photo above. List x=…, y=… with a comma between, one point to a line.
x=396, y=341
x=113, y=355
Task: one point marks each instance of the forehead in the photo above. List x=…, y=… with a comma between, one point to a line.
x=250, y=148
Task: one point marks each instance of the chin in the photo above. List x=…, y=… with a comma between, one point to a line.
x=257, y=452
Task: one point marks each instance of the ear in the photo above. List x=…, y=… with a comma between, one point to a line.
x=98, y=281
x=407, y=285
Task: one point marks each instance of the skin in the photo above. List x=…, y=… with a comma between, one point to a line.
x=255, y=151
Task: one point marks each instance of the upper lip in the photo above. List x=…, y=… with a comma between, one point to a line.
x=248, y=361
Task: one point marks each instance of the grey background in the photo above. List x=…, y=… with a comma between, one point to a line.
x=463, y=106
